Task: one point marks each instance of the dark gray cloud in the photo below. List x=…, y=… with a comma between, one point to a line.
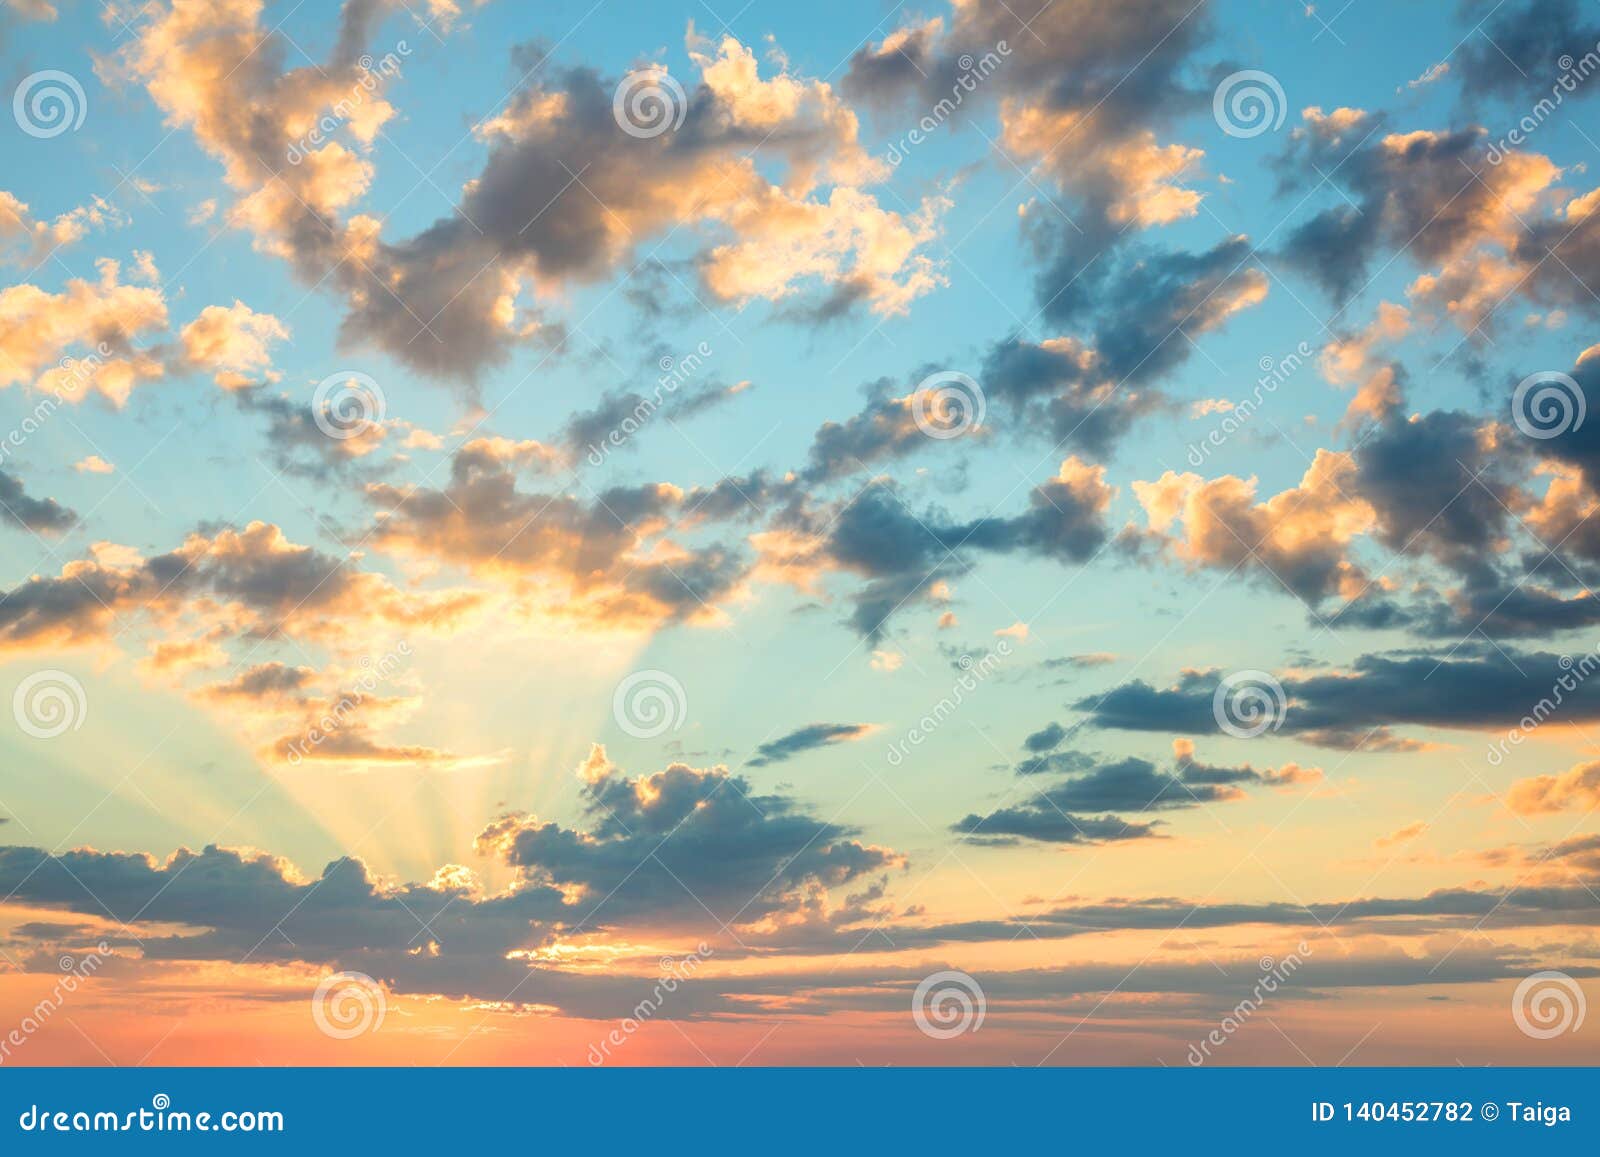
x=1038, y=821
x=264, y=681
x=683, y=842
x=1438, y=486
x=1147, y=306
x=1515, y=50
x=1046, y=738
x=661, y=852
x=1135, y=785
x=613, y=420
x=807, y=738
x=40, y=515
x=1066, y=391
x=1435, y=196
x=1471, y=687
x=902, y=554
x=1063, y=812
x=1333, y=247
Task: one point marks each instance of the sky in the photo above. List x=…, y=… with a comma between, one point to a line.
x=1027, y=532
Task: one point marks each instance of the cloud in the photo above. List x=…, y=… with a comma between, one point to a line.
x=106, y=317
x=1060, y=813
x=905, y=556
x=1047, y=738
x=681, y=843
x=806, y=739
x=1149, y=308
x=40, y=515
x=111, y=332
x=253, y=583
x=1578, y=787
x=610, y=560
x=661, y=854
x=1519, y=45
x=233, y=342
x=1066, y=390
x=1056, y=73
x=30, y=241
x=1432, y=194
x=1470, y=688
x=888, y=427
x=94, y=464
x=565, y=195
x=1349, y=360
x=1402, y=835
x=1298, y=538
x=1041, y=822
